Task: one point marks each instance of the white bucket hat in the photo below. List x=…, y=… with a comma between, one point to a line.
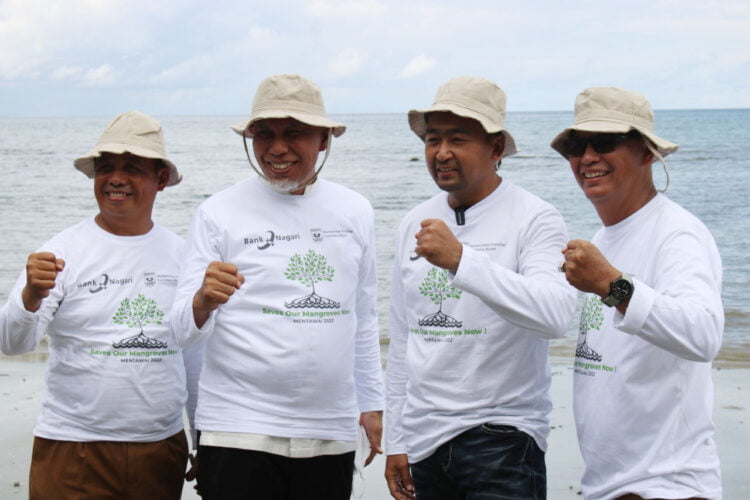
x=289, y=96
x=130, y=132
x=615, y=111
x=470, y=97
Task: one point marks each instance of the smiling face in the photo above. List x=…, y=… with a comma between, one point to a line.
x=618, y=183
x=462, y=157
x=287, y=151
x=125, y=188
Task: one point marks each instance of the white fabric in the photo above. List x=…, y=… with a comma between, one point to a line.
x=643, y=390
x=94, y=390
x=283, y=446
x=493, y=368
x=272, y=368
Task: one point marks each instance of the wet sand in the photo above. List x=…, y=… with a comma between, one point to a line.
x=21, y=384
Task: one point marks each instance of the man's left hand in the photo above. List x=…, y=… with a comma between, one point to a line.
x=587, y=269
x=372, y=421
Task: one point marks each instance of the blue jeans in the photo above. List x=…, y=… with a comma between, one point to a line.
x=486, y=462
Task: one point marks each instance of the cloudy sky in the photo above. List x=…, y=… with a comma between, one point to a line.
x=100, y=57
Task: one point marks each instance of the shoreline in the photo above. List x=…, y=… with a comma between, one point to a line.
x=22, y=381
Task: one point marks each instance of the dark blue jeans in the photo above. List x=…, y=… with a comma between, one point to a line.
x=486, y=462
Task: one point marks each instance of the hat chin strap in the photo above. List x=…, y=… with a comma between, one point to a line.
x=288, y=190
x=659, y=157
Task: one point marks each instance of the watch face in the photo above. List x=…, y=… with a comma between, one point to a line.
x=621, y=289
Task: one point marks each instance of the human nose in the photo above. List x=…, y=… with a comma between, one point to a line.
x=278, y=146
x=443, y=151
x=117, y=177
x=589, y=154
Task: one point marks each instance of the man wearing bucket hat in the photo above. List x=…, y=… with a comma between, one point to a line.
x=475, y=299
x=652, y=319
x=112, y=413
x=280, y=279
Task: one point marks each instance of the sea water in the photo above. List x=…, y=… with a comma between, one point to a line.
x=381, y=158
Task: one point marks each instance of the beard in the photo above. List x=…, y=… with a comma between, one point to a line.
x=284, y=186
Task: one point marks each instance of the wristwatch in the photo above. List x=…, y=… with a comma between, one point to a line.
x=620, y=290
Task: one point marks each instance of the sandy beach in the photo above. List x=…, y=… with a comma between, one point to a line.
x=21, y=384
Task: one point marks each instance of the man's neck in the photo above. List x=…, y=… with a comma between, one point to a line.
x=613, y=214
x=123, y=227
x=464, y=200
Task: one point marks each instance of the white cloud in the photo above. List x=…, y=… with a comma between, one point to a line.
x=388, y=50
x=351, y=8
x=102, y=76
x=66, y=73
x=417, y=66
x=346, y=63
x=183, y=70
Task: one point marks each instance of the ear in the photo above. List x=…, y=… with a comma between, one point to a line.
x=648, y=157
x=498, y=146
x=323, y=140
x=163, y=178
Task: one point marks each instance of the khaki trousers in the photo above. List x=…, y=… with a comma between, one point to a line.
x=67, y=470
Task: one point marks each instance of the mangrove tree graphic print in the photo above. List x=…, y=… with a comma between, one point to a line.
x=435, y=287
x=138, y=313
x=308, y=270
x=591, y=318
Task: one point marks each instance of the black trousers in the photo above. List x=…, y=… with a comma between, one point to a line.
x=234, y=474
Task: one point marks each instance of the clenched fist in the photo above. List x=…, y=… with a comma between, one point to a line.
x=41, y=272
x=219, y=283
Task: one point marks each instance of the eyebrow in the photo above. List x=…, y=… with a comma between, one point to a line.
x=450, y=131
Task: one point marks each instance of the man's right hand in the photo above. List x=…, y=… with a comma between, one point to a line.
x=219, y=283
x=398, y=477
x=41, y=272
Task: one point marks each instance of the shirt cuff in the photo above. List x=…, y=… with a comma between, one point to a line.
x=17, y=311
x=639, y=307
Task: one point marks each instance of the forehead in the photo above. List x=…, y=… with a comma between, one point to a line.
x=125, y=158
x=447, y=122
x=280, y=124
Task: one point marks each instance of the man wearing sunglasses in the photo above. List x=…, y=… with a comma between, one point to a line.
x=652, y=319
x=475, y=299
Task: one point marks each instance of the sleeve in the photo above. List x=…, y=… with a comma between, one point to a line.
x=200, y=250
x=396, y=372
x=193, y=359
x=21, y=330
x=537, y=297
x=682, y=312
x=368, y=372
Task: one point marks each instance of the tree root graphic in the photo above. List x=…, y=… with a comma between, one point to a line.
x=141, y=341
x=440, y=319
x=313, y=301
x=585, y=352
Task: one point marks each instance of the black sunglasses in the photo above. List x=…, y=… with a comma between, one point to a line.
x=575, y=145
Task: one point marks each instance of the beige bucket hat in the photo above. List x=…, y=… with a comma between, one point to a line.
x=130, y=132
x=616, y=111
x=289, y=96
x=470, y=97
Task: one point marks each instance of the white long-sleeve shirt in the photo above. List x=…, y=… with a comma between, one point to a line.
x=473, y=348
x=295, y=351
x=114, y=371
x=643, y=391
